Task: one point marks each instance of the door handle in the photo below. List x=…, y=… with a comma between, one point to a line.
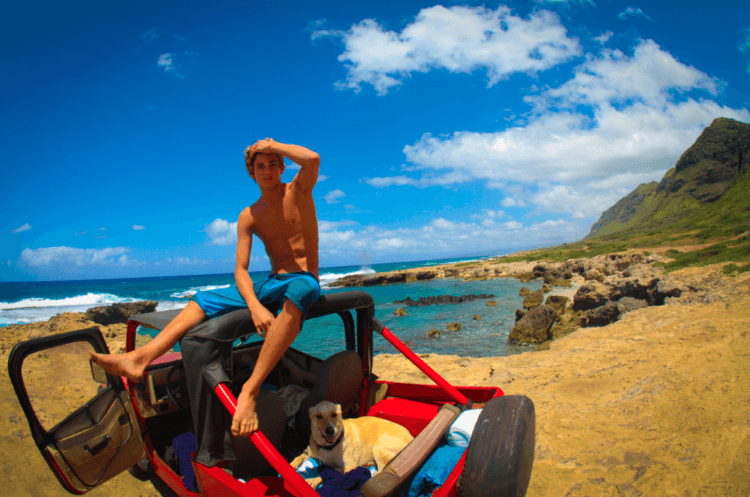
x=98, y=447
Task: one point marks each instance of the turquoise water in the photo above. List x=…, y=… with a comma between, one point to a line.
x=487, y=337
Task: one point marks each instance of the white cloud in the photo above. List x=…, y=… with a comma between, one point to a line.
x=470, y=38
x=221, y=232
x=138, y=227
x=25, y=227
x=332, y=225
x=568, y=161
x=322, y=177
x=57, y=256
x=512, y=202
x=166, y=62
x=604, y=37
x=187, y=261
x=442, y=238
x=390, y=181
x=175, y=64
x=149, y=35
x=633, y=12
x=334, y=196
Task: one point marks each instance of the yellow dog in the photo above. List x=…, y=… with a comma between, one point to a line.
x=346, y=444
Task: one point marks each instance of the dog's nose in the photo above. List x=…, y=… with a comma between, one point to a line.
x=330, y=431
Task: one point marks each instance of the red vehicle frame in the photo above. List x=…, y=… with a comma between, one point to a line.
x=508, y=421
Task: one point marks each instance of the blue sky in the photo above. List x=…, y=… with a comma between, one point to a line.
x=445, y=130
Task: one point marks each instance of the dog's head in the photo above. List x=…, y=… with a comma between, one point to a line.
x=326, y=423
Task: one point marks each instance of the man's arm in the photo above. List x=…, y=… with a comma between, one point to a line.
x=308, y=161
x=262, y=317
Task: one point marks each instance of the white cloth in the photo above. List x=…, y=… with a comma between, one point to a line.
x=460, y=431
x=292, y=397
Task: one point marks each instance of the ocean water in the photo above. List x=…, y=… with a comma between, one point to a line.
x=27, y=302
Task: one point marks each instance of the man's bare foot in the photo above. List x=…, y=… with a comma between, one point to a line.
x=120, y=365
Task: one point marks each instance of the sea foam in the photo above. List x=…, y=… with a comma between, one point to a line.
x=328, y=278
x=192, y=291
x=32, y=310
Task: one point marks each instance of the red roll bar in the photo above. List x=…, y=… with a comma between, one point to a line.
x=414, y=358
x=267, y=449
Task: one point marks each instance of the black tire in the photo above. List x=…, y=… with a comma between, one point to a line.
x=501, y=450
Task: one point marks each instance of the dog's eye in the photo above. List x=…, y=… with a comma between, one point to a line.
x=334, y=415
x=318, y=416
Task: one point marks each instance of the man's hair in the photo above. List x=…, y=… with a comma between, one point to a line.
x=250, y=159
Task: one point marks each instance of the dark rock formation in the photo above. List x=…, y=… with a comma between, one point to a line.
x=602, y=315
x=119, y=313
x=443, y=299
x=534, y=327
x=627, y=304
x=533, y=300
x=590, y=295
x=557, y=302
x=612, y=311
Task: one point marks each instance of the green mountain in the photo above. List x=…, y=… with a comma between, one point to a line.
x=708, y=190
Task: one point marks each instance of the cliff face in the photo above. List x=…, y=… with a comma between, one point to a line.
x=703, y=175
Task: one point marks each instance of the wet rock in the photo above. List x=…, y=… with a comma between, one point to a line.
x=525, y=291
x=519, y=314
x=477, y=317
x=119, y=313
x=433, y=333
x=454, y=326
x=491, y=302
x=534, y=327
x=442, y=300
x=399, y=312
x=557, y=302
x=568, y=322
x=533, y=300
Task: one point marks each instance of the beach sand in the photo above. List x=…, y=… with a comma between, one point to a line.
x=656, y=404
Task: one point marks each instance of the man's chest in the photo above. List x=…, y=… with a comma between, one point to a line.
x=276, y=219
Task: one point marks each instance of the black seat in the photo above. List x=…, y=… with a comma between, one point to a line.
x=339, y=381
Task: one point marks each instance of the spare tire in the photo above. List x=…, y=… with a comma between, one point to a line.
x=501, y=450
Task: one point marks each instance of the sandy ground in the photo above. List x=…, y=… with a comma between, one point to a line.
x=657, y=404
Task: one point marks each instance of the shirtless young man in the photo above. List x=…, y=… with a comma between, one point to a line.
x=284, y=219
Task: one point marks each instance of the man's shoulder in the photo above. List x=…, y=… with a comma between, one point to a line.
x=246, y=215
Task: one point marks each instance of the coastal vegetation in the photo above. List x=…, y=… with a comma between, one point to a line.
x=698, y=214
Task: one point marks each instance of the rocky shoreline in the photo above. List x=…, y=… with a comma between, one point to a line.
x=583, y=292
x=653, y=403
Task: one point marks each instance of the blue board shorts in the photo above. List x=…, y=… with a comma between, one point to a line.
x=302, y=289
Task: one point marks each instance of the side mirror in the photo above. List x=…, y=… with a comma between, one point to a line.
x=97, y=373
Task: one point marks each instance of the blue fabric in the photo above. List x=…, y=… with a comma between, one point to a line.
x=184, y=445
x=348, y=485
x=434, y=471
x=301, y=288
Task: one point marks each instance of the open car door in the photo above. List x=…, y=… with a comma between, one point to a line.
x=86, y=431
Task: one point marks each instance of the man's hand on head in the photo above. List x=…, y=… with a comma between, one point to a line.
x=264, y=145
